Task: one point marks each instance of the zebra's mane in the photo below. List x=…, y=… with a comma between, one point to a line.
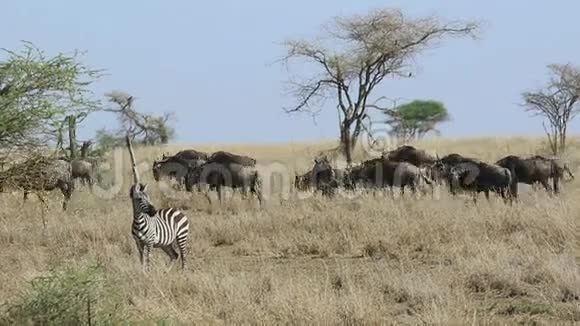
x=149, y=208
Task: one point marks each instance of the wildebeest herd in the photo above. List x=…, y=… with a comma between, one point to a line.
x=404, y=167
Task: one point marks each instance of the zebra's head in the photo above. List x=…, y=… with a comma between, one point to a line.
x=141, y=201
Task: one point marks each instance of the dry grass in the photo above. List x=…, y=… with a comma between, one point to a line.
x=368, y=259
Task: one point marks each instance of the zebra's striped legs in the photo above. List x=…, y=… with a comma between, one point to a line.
x=182, y=244
x=140, y=249
x=172, y=253
x=146, y=256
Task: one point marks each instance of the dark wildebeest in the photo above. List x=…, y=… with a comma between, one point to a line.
x=440, y=170
x=174, y=167
x=226, y=171
x=39, y=175
x=410, y=154
x=191, y=155
x=478, y=176
x=382, y=173
x=227, y=158
x=536, y=169
x=322, y=177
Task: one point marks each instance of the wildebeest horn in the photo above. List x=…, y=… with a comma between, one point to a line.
x=133, y=162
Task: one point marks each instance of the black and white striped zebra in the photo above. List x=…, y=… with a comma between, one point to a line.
x=165, y=228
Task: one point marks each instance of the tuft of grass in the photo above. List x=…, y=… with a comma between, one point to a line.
x=66, y=297
x=521, y=307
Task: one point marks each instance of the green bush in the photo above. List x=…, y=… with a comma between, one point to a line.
x=66, y=297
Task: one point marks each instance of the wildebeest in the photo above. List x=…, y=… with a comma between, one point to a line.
x=536, y=169
x=191, y=154
x=174, y=167
x=320, y=172
x=83, y=170
x=440, y=170
x=223, y=157
x=322, y=177
x=478, y=176
x=410, y=154
x=382, y=173
x=221, y=173
x=39, y=174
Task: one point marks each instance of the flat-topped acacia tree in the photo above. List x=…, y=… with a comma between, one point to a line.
x=354, y=54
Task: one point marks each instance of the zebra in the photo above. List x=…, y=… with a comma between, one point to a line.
x=165, y=228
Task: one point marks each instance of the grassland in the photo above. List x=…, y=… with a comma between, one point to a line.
x=367, y=259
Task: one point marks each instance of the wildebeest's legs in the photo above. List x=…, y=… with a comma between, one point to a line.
x=413, y=187
x=513, y=190
x=256, y=189
x=556, y=181
x=546, y=185
x=208, y=192
x=42, y=200
x=66, y=188
x=219, y=190
x=90, y=183
x=507, y=196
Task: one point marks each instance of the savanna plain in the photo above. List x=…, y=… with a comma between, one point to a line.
x=299, y=259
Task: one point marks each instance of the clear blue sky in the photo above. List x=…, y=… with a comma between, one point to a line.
x=211, y=61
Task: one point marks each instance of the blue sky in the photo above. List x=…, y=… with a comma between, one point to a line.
x=212, y=62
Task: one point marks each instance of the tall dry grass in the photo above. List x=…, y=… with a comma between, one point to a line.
x=355, y=260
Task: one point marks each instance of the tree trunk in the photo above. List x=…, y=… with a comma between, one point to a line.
x=85, y=149
x=562, y=139
x=72, y=136
x=346, y=143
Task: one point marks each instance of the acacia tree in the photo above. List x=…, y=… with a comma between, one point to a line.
x=415, y=119
x=37, y=92
x=557, y=103
x=355, y=54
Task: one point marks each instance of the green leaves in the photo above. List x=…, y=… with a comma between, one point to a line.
x=66, y=297
x=36, y=91
x=417, y=118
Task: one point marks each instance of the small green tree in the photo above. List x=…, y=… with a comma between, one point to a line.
x=415, y=119
x=37, y=92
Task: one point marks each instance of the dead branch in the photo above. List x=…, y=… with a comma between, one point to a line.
x=133, y=161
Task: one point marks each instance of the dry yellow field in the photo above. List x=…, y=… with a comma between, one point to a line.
x=367, y=259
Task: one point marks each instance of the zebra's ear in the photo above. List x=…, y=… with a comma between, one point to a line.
x=144, y=187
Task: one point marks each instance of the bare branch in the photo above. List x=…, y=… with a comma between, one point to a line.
x=152, y=129
x=557, y=102
x=357, y=53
